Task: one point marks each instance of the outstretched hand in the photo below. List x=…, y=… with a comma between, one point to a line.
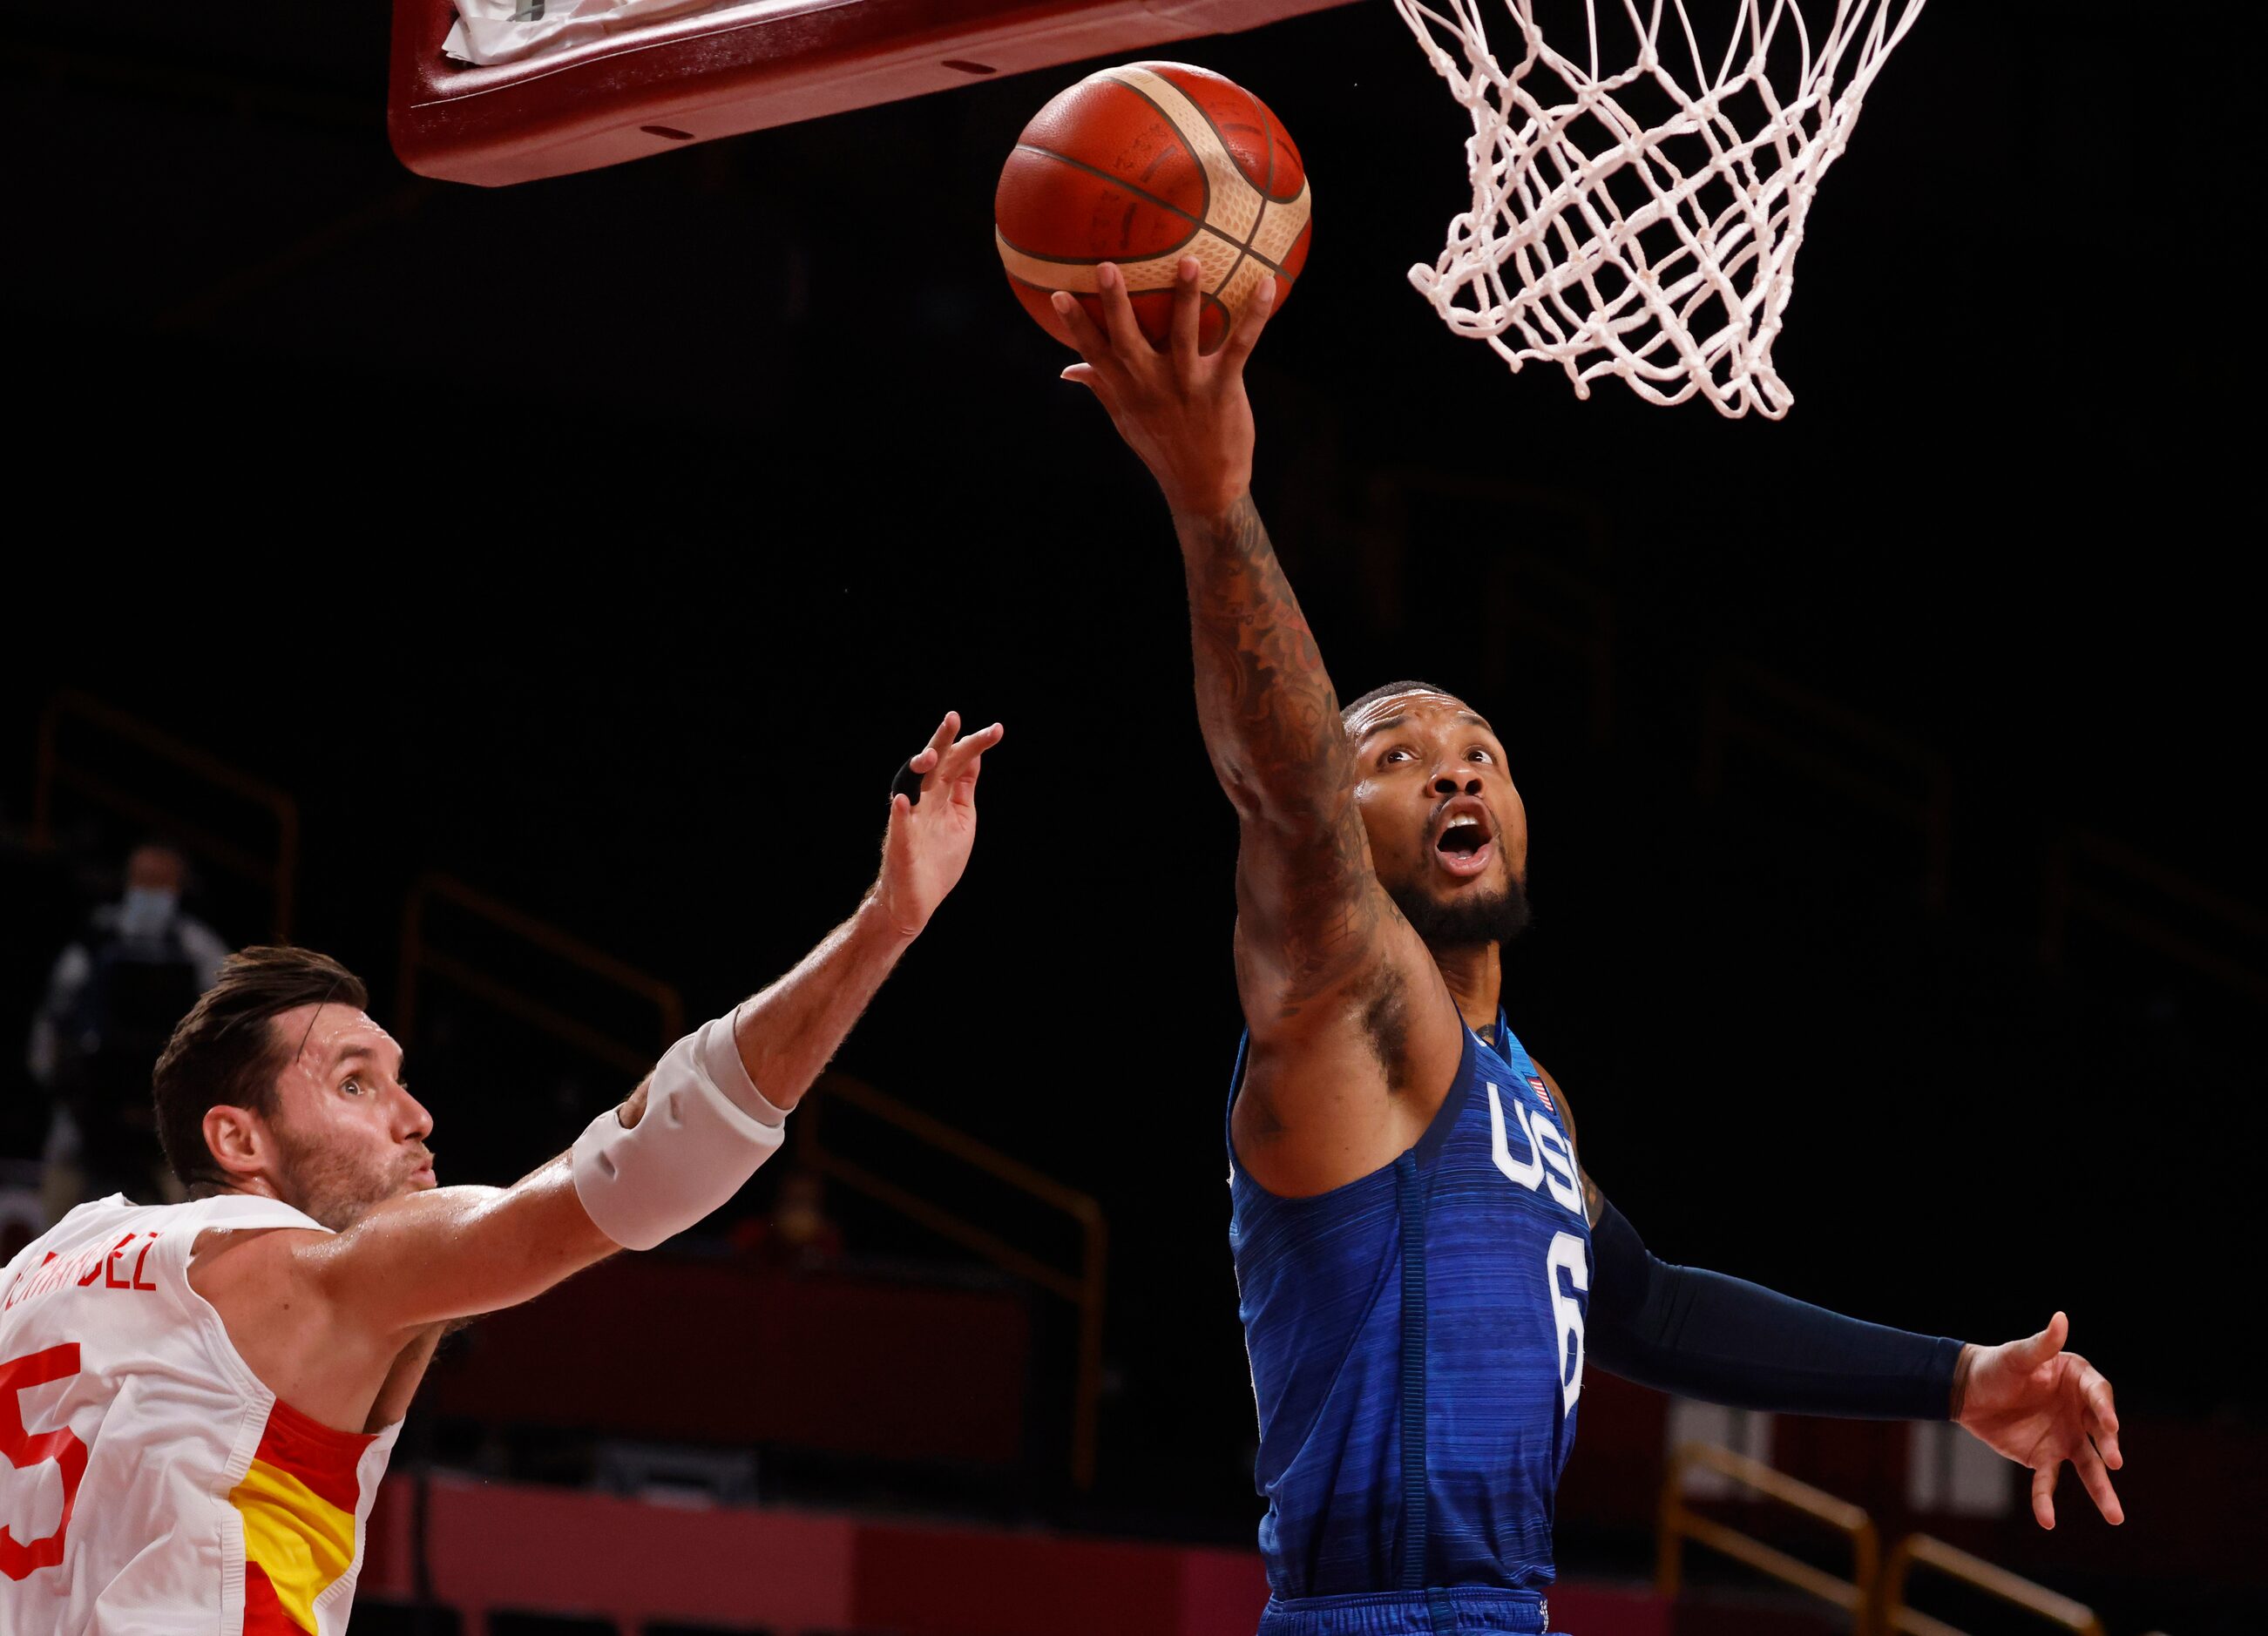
x=926, y=846
x=2040, y=1406
x=1184, y=411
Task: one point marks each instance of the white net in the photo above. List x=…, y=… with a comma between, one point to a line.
x=1642, y=221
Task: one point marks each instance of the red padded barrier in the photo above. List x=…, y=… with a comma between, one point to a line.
x=494, y=1547
x=761, y=63
x=967, y=1582
x=833, y=1361
x=491, y=1547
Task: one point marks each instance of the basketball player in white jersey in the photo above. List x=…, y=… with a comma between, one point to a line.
x=197, y=1400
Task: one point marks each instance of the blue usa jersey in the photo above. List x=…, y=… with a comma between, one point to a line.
x=1417, y=1347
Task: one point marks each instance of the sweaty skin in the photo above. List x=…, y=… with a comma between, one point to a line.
x=341, y=1324
x=1357, y=1024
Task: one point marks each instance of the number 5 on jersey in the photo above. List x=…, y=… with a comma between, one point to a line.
x=18, y=1559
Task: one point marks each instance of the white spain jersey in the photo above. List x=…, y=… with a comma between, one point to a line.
x=150, y=1484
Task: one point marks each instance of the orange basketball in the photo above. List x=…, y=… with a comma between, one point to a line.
x=1142, y=165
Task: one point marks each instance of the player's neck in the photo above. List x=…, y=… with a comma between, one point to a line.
x=1475, y=976
x=241, y=1188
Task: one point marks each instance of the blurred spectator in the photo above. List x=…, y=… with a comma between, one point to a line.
x=113, y=999
x=23, y=1212
x=799, y=1235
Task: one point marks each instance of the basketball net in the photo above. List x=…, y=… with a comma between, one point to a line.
x=1642, y=221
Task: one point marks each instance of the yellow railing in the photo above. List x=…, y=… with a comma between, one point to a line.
x=1874, y=1595
x=1680, y=1523
x=1084, y=1289
x=53, y=769
x=1924, y=1551
x=419, y=957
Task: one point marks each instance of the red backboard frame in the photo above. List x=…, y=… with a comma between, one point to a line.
x=761, y=63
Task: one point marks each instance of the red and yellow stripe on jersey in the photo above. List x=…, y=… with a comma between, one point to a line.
x=299, y=1500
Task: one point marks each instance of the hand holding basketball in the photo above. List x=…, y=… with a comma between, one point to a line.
x=2040, y=1406
x=1138, y=167
x=1182, y=410
x=926, y=846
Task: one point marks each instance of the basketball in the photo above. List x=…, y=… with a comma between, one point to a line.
x=1142, y=165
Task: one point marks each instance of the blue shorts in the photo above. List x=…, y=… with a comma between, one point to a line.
x=1458, y=1610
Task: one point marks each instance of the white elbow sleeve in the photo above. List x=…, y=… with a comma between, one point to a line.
x=705, y=1130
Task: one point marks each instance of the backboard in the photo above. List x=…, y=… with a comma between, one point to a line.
x=733, y=67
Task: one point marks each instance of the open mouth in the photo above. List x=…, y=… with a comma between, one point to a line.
x=1465, y=843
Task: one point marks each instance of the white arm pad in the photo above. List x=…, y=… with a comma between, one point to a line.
x=705, y=1130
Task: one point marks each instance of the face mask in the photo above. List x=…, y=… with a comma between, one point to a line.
x=146, y=911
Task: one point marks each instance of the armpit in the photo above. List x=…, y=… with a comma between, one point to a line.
x=1386, y=1025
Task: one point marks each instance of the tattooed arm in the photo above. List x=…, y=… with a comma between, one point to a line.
x=1326, y=966
x=1308, y=907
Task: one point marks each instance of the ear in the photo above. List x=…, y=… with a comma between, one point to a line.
x=238, y=1139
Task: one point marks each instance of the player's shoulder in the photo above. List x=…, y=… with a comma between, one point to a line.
x=95, y=1233
x=245, y=1233
x=1554, y=1093
x=1594, y=1200
x=87, y=1221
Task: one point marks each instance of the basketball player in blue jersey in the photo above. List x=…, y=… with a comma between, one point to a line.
x=1423, y=1261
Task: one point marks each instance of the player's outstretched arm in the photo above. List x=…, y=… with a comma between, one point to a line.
x=1719, y=1339
x=1310, y=910
x=1704, y=1335
x=692, y=1134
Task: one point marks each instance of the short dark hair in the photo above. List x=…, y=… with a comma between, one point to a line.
x=223, y=1053
x=1346, y=712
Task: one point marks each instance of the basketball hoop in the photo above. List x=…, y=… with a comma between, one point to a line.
x=1642, y=222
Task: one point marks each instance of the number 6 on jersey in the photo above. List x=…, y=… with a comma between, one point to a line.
x=1568, y=1255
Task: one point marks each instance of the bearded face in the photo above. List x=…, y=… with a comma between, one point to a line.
x=1449, y=834
x=345, y=1135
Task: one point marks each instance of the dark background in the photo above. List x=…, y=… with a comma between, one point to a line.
x=608, y=540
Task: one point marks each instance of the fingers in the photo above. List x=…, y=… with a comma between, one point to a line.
x=2101, y=1414
x=1096, y=382
x=1126, y=339
x=2097, y=1481
x=938, y=742
x=951, y=762
x=923, y=761
x=1186, y=303
x=2035, y=1350
x=959, y=767
x=1245, y=333
x=2043, y=1482
x=1093, y=344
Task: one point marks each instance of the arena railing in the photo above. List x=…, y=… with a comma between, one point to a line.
x=1874, y=1595
x=2081, y=867
x=1832, y=745
x=420, y=957
x=54, y=769
x=1680, y=1524
x=1925, y=1550
x=1084, y=1289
